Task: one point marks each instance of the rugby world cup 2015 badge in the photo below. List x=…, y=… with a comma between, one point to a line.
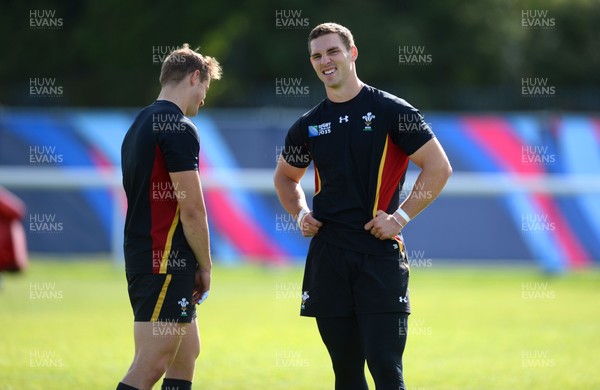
x=317, y=130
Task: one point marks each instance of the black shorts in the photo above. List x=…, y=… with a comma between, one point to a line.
x=341, y=283
x=162, y=297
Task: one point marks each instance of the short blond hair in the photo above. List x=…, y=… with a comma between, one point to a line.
x=332, y=28
x=183, y=61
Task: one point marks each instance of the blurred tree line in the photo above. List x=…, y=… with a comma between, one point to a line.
x=471, y=55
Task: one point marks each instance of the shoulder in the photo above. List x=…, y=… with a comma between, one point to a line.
x=144, y=114
x=309, y=116
x=391, y=101
x=313, y=111
x=172, y=113
x=188, y=123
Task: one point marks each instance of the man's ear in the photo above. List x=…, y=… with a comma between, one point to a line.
x=354, y=52
x=194, y=77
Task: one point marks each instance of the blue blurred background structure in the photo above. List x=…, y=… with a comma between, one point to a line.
x=506, y=218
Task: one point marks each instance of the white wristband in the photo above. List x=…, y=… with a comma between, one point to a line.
x=203, y=297
x=403, y=214
x=396, y=219
x=301, y=216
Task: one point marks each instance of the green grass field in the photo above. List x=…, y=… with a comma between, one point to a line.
x=68, y=325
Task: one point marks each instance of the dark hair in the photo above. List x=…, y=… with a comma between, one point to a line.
x=332, y=28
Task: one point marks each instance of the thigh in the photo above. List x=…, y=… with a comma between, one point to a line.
x=190, y=342
x=341, y=335
x=383, y=332
x=183, y=364
x=156, y=342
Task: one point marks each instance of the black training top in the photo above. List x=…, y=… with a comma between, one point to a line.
x=360, y=152
x=160, y=140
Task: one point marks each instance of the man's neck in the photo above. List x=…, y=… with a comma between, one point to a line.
x=173, y=97
x=346, y=92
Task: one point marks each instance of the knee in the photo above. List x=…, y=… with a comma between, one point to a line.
x=187, y=360
x=385, y=369
x=150, y=372
x=347, y=359
x=195, y=353
x=191, y=353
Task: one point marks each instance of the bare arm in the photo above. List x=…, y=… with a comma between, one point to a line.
x=435, y=171
x=195, y=224
x=292, y=197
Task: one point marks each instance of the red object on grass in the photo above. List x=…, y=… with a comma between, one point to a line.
x=13, y=245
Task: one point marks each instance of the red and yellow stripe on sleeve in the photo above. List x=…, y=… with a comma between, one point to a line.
x=392, y=167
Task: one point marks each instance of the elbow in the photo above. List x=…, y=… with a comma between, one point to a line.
x=441, y=168
x=277, y=176
x=447, y=169
x=281, y=182
x=191, y=214
x=277, y=183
